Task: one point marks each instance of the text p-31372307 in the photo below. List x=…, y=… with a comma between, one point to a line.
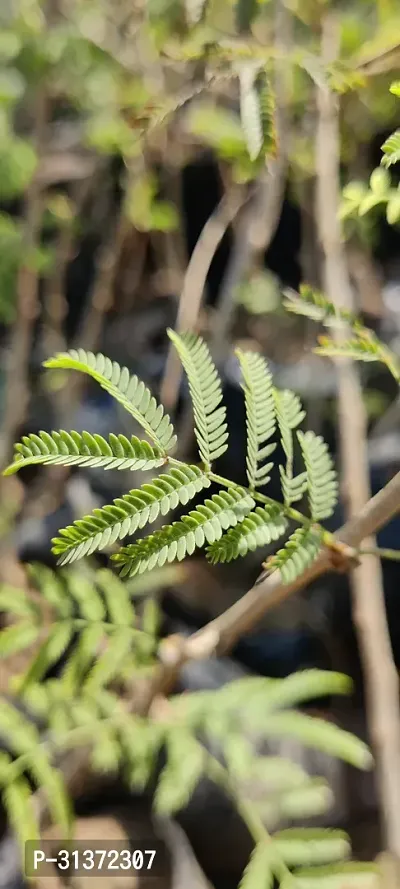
x=75, y=859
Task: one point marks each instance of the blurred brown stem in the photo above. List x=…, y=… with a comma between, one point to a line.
x=366, y=580
x=194, y=284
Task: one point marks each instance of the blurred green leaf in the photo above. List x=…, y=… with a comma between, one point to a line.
x=17, y=166
x=12, y=86
x=17, y=638
x=111, y=134
x=10, y=45
x=371, y=200
x=219, y=128
x=315, y=798
x=164, y=217
x=379, y=182
x=311, y=846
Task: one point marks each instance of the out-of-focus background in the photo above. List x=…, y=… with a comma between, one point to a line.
x=128, y=204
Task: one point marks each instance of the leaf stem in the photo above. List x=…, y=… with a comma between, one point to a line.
x=393, y=554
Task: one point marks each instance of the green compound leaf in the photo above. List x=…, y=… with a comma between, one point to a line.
x=363, y=346
x=289, y=414
x=206, y=394
x=76, y=449
x=299, y=552
x=391, y=150
x=259, y=528
x=321, y=476
x=131, y=392
x=128, y=513
x=260, y=415
x=205, y=523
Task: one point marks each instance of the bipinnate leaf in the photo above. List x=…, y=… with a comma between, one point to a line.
x=106, y=753
x=363, y=346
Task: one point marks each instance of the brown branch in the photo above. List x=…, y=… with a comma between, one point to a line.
x=194, y=284
x=366, y=581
